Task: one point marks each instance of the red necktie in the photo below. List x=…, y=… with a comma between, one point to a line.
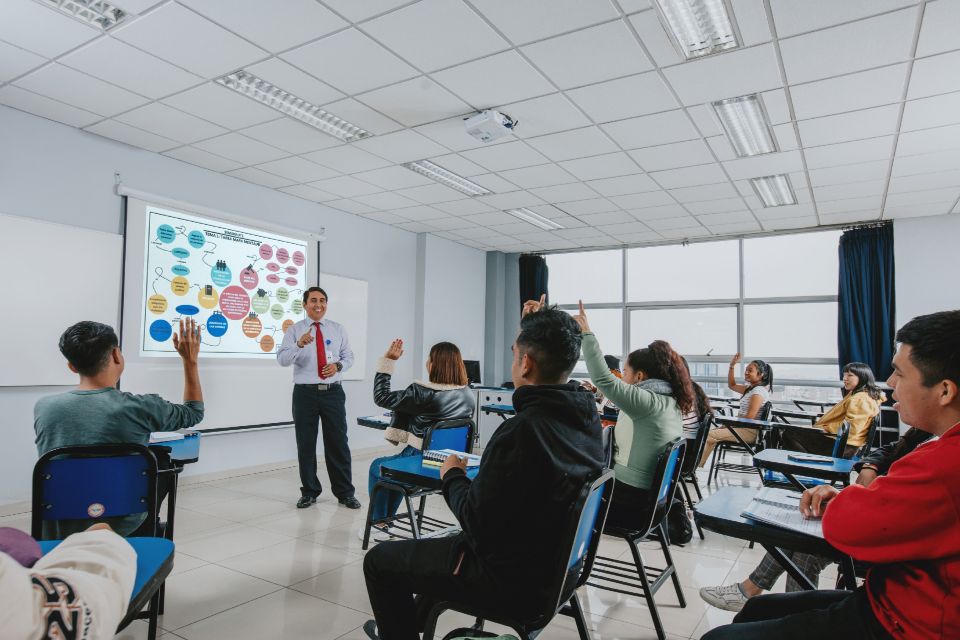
x=321, y=351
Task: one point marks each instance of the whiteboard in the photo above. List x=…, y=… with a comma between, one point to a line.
x=348, y=305
x=54, y=275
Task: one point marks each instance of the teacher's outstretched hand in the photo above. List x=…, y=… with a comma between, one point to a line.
x=581, y=319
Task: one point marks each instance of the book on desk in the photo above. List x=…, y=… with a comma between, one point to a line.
x=781, y=508
x=436, y=457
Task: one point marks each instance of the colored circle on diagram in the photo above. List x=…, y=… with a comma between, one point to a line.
x=282, y=294
x=252, y=326
x=282, y=255
x=234, y=302
x=179, y=285
x=266, y=343
x=291, y=281
x=297, y=306
x=157, y=304
x=180, y=269
x=266, y=251
x=166, y=234
x=276, y=311
x=208, y=297
x=260, y=304
x=286, y=325
x=292, y=270
x=181, y=253
x=187, y=310
x=217, y=324
x=298, y=258
x=273, y=278
x=273, y=266
x=249, y=278
x=160, y=330
x=196, y=239
x=221, y=276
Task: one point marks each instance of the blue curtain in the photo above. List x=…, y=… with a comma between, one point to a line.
x=533, y=277
x=865, y=324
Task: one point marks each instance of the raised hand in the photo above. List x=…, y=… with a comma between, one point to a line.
x=735, y=359
x=532, y=306
x=581, y=319
x=305, y=339
x=187, y=341
x=395, y=350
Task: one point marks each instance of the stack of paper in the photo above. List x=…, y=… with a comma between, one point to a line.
x=781, y=508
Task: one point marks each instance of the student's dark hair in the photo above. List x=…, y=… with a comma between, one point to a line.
x=87, y=346
x=703, y=402
x=766, y=376
x=865, y=380
x=934, y=341
x=659, y=360
x=306, y=294
x=613, y=362
x=446, y=365
x=552, y=338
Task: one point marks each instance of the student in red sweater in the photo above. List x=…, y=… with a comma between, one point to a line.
x=905, y=524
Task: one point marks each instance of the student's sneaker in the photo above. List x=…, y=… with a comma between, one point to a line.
x=729, y=597
x=376, y=534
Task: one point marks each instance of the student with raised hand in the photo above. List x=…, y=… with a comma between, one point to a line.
x=652, y=395
x=905, y=524
x=445, y=395
x=758, y=378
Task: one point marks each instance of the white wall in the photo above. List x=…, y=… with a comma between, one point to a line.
x=55, y=172
x=927, y=261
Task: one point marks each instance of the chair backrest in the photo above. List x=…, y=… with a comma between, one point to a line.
x=765, y=410
x=694, y=448
x=665, y=476
x=841, y=441
x=456, y=433
x=608, y=442
x=871, y=435
x=91, y=482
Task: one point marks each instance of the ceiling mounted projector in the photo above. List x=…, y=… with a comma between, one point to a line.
x=489, y=125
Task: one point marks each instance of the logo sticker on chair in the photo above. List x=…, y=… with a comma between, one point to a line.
x=95, y=510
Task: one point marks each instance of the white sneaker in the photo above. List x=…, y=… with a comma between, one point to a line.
x=376, y=534
x=728, y=597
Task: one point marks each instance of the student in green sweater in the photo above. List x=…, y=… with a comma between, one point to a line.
x=655, y=391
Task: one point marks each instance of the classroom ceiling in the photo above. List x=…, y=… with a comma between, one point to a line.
x=616, y=140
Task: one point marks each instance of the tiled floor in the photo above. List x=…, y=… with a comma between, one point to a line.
x=250, y=566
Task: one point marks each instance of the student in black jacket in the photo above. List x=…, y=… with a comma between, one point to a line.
x=511, y=514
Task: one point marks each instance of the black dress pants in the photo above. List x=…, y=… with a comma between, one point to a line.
x=824, y=615
x=311, y=409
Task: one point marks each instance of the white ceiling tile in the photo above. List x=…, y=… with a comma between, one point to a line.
x=200, y=46
x=931, y=112
x=357, y=11
x=359, y=62
x=565, y=192
x=496, y=80
x=291, y=135
x=401, y=146
x=590, y=55
x=949, y=194
x=78, y=89
x=297, y=169
x=851, y=216
x=611, y=217
x=705, y=192
x=346, y=159
x=727, y=219
x=578, y=233
x=494, y=183
x=793, y=17
x=928, y=140
x=578, y=143
x=689, y=176
x=45, y=107
x=461, y=226
x=765, y=165
x=544, y=175
x=622, y=185
x=659, y=212
x=850, y=92
x=624, y=228
x=256, y=176
x=395, y=177
x=855, y=125
x=546, y=114
x=716, y=207
x=672, y=156
x=859, y=172
x=458, y=165
x=492, y=218
x=123, y=65
x=636, y=95
x=637, y=201
x=832, y=207
x=420, y=212
x=292, y=80
x=925, y=181
x=926, y=162
x=722, y=148
x=15, y=61
x=804, y=222
x=775, y=104
x=345, y=186
x=465, y=207
x=668, y=224
x=705, y=118
x=433, y=34
x=202, y=158
x=530, y=20
x=241, y=148
x=431, y=194
x=788, y=211
x=655, y=38
x=384, y=217
x=938, y=32
x=386, y=201
x=452, y=134
x=647, y=131
x=516, y=228
x=363, y=116
x=132, y=136
x=786, y=137
x=512, y=200
x=735, y=73
x=308, y=193
x=222, y=106
x=502, y=157
x=916, y=210
x=752, y=20
x=171, y=123
x=851, y=47
x=280, y=26
x=416, y=101
x=41, y=29
x=416, y=227
x=934, y=75
x=849, y=152
x=549, y=211
x=852, y=190
x=610, y=165
x=352, y=206
x=137, y=7
x=587, y=207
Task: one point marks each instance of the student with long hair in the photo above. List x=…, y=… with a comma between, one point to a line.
x=758, y=378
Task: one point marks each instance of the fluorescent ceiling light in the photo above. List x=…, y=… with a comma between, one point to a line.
x=535, y=219
x=447, y=178
x=699, y=27
x=289, y=104
x=775, y=191
x=96, y=13
x=746, y=125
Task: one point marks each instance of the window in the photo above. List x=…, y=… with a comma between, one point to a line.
x=806, y=330
x=802, y=264
x=677, y=272
x=608, y=326
x=692, y=332
x=592, y=276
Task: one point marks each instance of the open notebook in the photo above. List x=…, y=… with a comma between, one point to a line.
x=781, y=508
x=435, y=457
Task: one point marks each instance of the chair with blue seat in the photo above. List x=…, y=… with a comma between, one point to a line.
x=691, y=456
x=621, y=576
x=457, y=434
x=772, y=478
x=718, y=459
x=580, y=538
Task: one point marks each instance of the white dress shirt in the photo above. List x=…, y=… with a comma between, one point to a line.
x=304, y=359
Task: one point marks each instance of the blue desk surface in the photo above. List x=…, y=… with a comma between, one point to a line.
x=183, y=451
x=411, y=470
x=777, y=460
x=502, y=409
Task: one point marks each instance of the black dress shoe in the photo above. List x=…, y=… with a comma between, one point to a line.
x=350, y=503
x=370, y=628
x=305, y=501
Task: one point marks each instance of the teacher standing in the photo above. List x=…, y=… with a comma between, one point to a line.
x=319, y=351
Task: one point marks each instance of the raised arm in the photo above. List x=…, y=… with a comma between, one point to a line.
x=732, y=379
x=187, y=344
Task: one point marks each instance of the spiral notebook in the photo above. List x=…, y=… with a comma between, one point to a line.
x=435, y=457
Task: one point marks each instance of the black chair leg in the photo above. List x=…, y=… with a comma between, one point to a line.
x=686, y=493
x=423, y=506
x=647, y=594
x=712, y=474
x=577, y=612
x=369, y=523
x=664, y=544
x=696, y=484
x=412, y=514
x=163, y=591
x=154, y=612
